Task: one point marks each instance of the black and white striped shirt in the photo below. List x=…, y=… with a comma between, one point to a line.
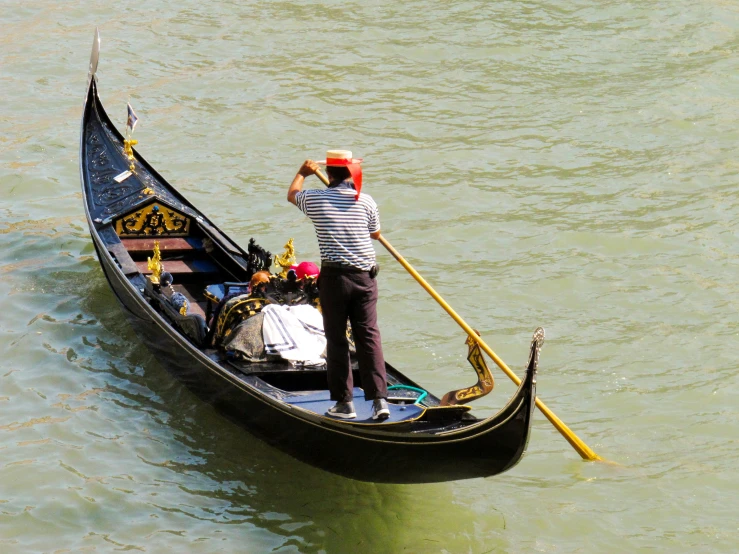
x=343, y=225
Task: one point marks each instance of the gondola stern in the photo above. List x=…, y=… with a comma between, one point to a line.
x=527, y=394
x=512, y=424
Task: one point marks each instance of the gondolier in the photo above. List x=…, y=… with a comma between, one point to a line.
x=345, y=220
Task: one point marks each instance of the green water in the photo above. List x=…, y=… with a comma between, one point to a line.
x=564, y=164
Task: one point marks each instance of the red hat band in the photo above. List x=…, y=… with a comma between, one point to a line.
x=355, y=170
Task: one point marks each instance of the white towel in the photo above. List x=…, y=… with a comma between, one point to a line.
x=295, y=333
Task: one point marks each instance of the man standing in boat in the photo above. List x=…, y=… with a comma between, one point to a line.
x=345, y=220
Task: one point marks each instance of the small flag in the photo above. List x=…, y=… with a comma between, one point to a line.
x=132, y=119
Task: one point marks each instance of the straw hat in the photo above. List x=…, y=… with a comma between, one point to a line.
x=339, y=158
x=344, y=158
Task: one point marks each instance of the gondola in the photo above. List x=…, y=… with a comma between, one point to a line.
x=138, y=220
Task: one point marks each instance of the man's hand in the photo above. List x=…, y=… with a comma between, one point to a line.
x=308, y=168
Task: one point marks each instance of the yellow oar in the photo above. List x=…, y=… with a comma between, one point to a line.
x=583, y=449
x=572, y=438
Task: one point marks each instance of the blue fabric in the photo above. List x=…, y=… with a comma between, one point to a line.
x=204, y=266
x=216, y=290
x=319, y=403
x=178, y=300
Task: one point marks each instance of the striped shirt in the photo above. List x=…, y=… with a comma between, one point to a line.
x=343, y=225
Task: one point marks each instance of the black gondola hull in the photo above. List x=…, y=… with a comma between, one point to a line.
x=488, y=451
x=402, y=453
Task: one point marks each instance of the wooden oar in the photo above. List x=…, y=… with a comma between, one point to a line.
x=583, y=449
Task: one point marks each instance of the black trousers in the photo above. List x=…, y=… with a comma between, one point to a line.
x=351, y=295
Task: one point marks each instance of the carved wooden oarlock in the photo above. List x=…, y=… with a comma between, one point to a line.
x=485, y=381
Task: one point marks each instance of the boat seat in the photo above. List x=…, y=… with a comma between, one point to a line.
x=179, y=267
x=215, y=293
x=193, y=306
x=192, y=325
x=320, y=401
x=121, y=255
x=170, y=244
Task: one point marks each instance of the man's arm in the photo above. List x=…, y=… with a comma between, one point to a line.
x=308, y=168
x=374, y=221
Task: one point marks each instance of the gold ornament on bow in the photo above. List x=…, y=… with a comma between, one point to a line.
x=154, y=264
x=128, y=151
x=131, y=121
x=287, y=259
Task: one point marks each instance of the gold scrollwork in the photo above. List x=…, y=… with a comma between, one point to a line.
x=237, y=309
x=469, y=393
x=153, y=220
x=485, y=381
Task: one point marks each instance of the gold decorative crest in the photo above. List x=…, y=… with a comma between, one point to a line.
x=287, y=259
x=153, y=220
x=155, y=264
x=128, y=151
